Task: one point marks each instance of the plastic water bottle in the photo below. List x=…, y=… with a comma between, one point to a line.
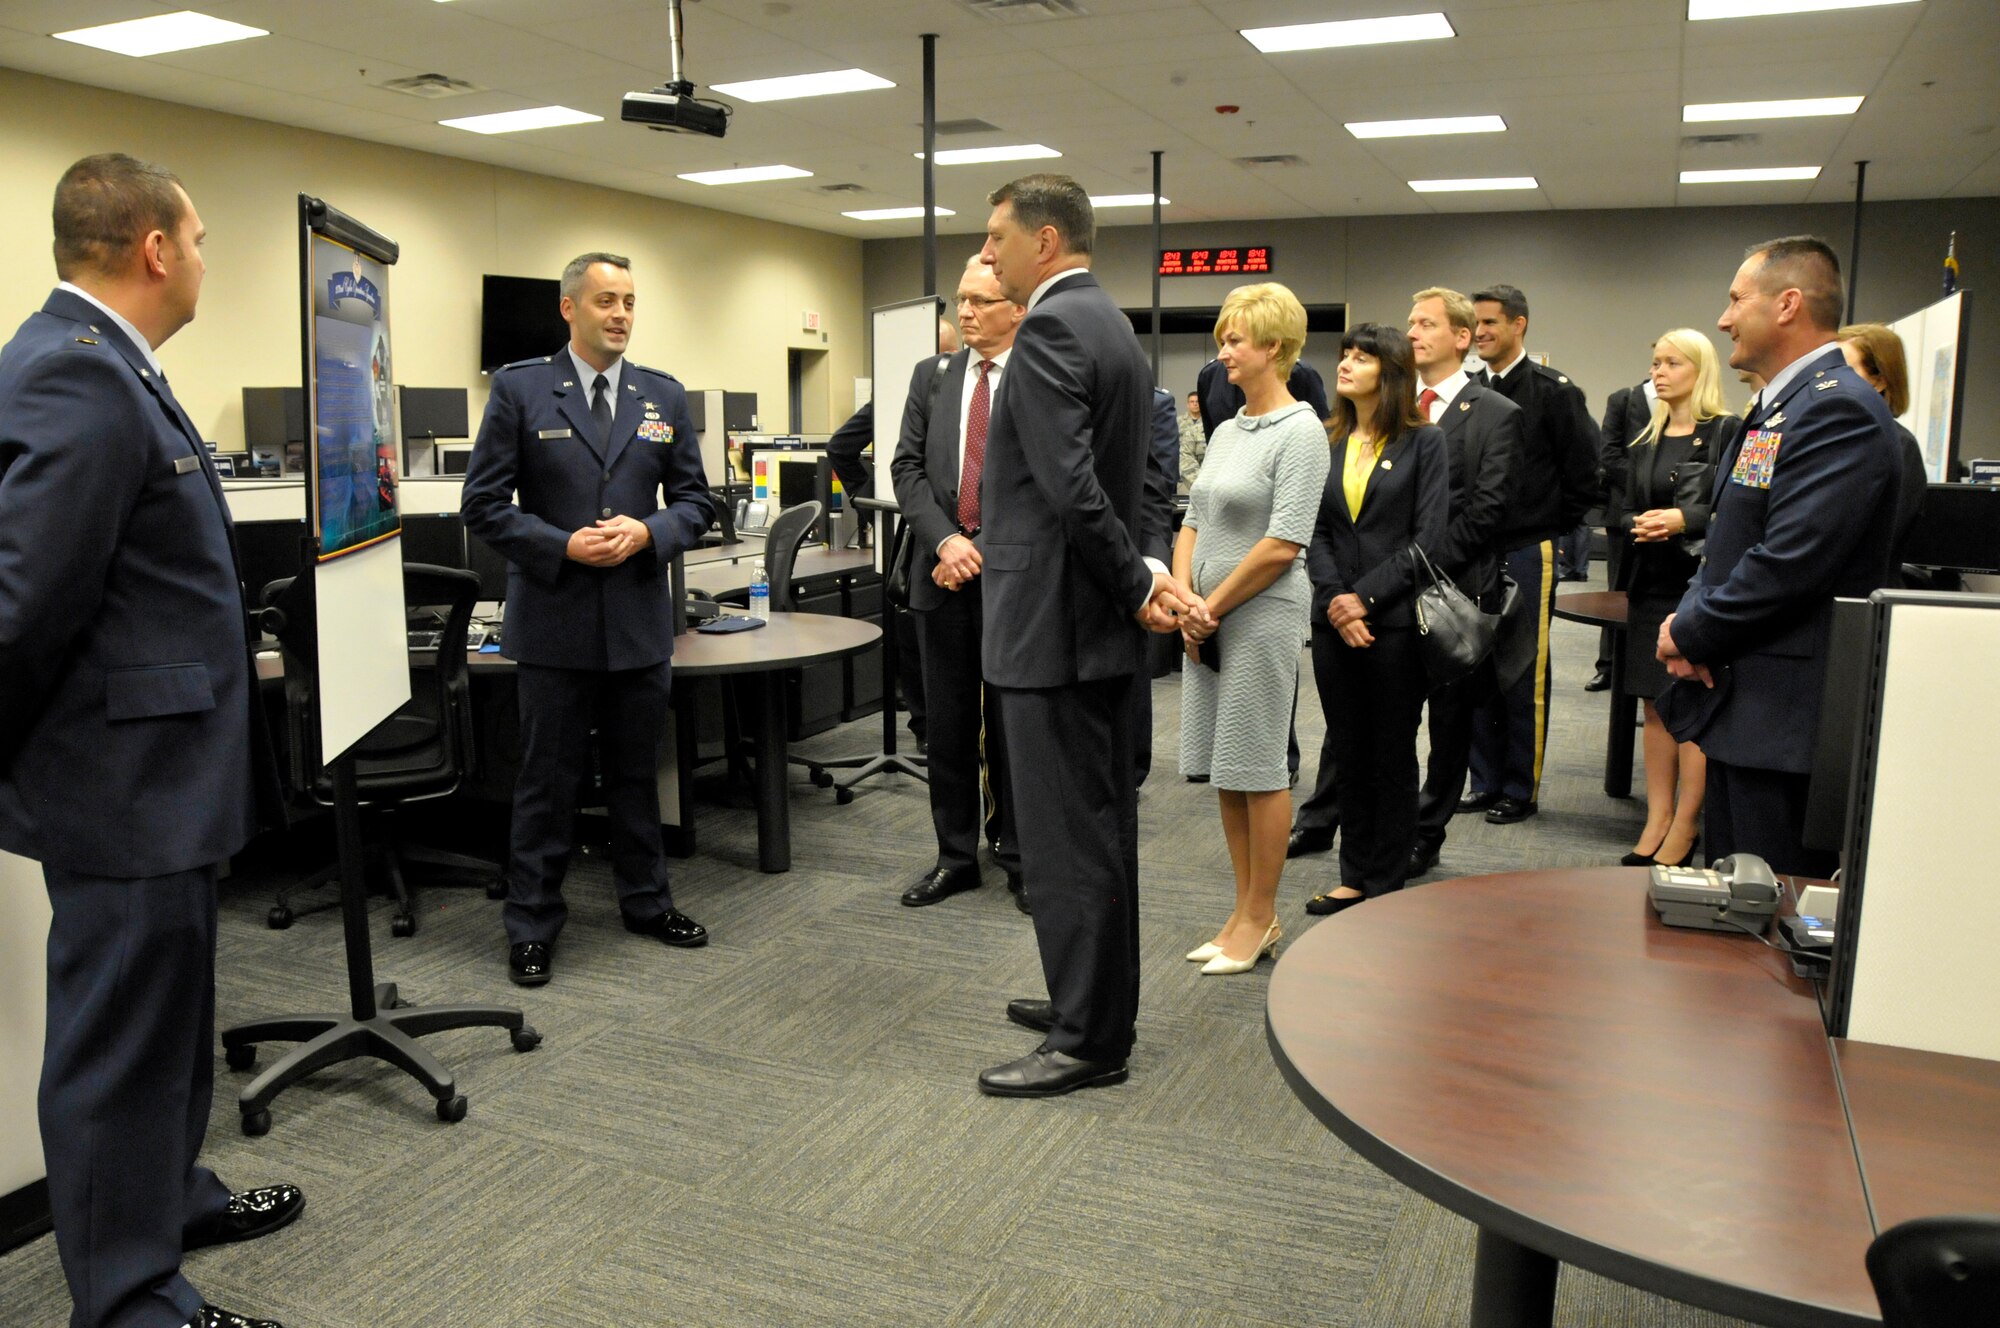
x=760, y=591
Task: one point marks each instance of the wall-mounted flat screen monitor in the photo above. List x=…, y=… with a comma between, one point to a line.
x=435, y=412
x=519, y=317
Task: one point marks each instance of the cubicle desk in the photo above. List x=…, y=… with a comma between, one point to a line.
x=24, y=935
x=1534, y=1051
x=1926, y=1129
x=1607, y=608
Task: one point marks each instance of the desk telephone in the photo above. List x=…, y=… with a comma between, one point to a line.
x=1738, y=894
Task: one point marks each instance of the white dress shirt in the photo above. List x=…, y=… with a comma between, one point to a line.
x=118, y=321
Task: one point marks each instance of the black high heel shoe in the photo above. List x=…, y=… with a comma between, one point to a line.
x=1687, y=858
x=1637, y=859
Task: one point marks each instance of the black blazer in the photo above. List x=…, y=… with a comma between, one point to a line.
x=1408, y=501
x=1909, y=497
x=1556, y=478
x=1482, y=434
x=1221, y=399
x=925, y=469
x=1670, y=472
x=1065, y=481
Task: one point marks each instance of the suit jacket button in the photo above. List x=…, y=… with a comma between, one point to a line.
x=607, y=514
x=607, y=474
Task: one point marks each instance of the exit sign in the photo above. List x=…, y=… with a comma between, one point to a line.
x=1232, y=261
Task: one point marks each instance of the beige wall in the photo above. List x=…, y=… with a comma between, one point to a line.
x=1601, y=284
x=719, y=295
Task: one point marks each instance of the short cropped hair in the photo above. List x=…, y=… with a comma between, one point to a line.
x=572, y=276
x=1807, y=264
x=1882, y=355
x=1267, y=313
x=1457, y=309
x=1513, y=304
x=1051, y=200
x=106, y=205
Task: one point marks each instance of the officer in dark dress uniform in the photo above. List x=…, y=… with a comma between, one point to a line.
x=589, y=441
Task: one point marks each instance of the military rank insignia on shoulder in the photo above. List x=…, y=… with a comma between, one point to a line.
x=86, y=341
x=522, y=364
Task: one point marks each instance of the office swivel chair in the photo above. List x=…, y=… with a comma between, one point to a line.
x=1938, y=1272
x=781, y=553
x=423, y=751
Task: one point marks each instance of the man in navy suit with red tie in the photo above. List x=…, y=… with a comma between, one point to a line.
x=127, y=741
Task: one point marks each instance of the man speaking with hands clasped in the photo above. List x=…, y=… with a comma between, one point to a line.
x=588, y=441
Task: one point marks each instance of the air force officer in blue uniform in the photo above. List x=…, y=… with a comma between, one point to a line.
x=1803, y=513
x=126, y=740
x=566, y=481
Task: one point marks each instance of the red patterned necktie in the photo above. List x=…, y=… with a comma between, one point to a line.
x=975, y=451
x=1425, y=400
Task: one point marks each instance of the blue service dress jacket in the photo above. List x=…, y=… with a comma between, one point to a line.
x=1804, y=504
x=126, y=729
x=538, y=441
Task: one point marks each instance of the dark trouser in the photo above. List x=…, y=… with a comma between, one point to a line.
x=1749, y=810
x=1373, y=698
x=558, y=709
x=1319, y=813
x=1510, y=731
x=1573, y=551
x=967, y=749
x=1069, y=755
x=127, y=1074
x=1451, y=711
x=910, y=675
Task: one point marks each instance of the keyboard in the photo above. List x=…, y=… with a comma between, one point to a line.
x=425, y=640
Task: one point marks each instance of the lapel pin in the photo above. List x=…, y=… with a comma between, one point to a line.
x=1388, y=465
x=1465, y=405
x=568, y=383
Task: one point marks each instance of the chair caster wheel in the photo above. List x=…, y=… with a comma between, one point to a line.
x=843, y=796
x=496, y=889
x=402, y=925
x=240, y=1058
x=451, y=1110
x=257, y=1124
x=821, y=779
x=278, y=918
x=525, y=1038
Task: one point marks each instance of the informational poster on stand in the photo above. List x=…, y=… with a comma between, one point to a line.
x=353, y=450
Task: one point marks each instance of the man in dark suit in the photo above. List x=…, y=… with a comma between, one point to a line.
x=127, y=742
x=940, y=455
x=1804, y=510
x=1627, y=414
x=1482, y=434
x=589, y=441
x=1068, y=593
x=1555, y=484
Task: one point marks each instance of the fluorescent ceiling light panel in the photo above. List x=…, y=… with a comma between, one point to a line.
x=512, y=122
x=184, y=30
x=1701, y=9
x=975, y=156
x=1126, y=200
x=1350, y=32
x=895, y=214
x=1474, y=186
x=802, y=85
x=747, y=175
x=1751, y=175
x=1769, y=110
x=1450, y=124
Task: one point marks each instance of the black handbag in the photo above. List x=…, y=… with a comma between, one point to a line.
x=1453, y=636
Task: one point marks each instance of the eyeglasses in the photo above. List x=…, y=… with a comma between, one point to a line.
x=981, y=301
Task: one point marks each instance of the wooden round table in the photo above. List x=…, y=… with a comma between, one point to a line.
x=1608, y=609
x=1535, y=1052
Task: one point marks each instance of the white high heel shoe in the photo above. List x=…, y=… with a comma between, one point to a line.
x=1201, y=954
x=1223, y=964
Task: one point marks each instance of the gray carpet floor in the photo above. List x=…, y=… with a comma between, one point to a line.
x=782, y=1128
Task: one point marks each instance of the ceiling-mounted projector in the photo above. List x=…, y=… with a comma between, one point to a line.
x=672, y=109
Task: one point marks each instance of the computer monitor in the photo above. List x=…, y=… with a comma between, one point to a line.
x=1843, y=698
x=273, y=417
x=1958, y=527
x=434, y=538
x=482, y=558
x=269, y=551
x=519, y=318
x=430, y=413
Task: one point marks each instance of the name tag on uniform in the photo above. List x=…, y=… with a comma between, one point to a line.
x=1757, y=459
x=555, y=433
x=186, y=465
x=656, y=431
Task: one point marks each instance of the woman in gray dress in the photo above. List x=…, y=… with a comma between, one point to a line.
x=1241, y=550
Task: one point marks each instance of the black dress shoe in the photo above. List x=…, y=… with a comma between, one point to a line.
x=250, y=1214
x=1303, y=842
x=528, y=963
x=1045, y=1073
x=1423, y=857
x=212, y=1316
x=1509, y=810
x=1020, y=894
x=1636, y=860
x=672, y=927
x=940, y=883
x=1599, y=681
x=1038, y=1015
x=1328, y=904
x=1476, y=801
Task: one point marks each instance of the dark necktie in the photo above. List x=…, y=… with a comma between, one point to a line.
x=600, y=408
x=975, y=451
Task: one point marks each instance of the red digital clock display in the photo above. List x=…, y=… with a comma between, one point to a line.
x=1235, y=261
